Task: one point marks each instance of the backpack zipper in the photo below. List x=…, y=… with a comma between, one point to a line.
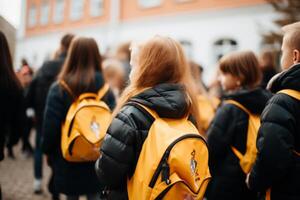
x=163, y=166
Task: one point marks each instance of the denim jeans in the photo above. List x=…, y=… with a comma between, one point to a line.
x=38, y=154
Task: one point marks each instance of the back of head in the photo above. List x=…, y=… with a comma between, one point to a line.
x=267, y=60
x=66, y=42
x=196, y=71
x=243, y=65
x=123, y=52
x=157, y=55
x=161, y=60
x=8, y=77
x=292, y=32
x=82, y=62
x=114, y=73
x=290, y=45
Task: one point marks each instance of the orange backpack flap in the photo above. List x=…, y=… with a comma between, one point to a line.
x=207, y=109
x=247, y=160
x=173, y=162
x=85, y=126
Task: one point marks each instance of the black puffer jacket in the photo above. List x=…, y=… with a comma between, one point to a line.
x=229, y=128
x=128, y=131
x=69, y=178
x=276, y=165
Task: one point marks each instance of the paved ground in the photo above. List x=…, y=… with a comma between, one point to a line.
x=16, y=178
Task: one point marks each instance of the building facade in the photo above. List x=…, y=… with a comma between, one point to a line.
x=10, y=33
x=206, y=28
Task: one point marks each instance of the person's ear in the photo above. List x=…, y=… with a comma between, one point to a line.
x=296, y=56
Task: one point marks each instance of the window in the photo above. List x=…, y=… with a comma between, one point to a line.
x=96, y=8
x=187, y=47
x=45, y=9
x=224, y=46
x=77, y=8
x=32, y=16
x=149, y=3
x=59, y=11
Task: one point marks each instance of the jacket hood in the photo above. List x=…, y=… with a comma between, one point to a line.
x=168, y=100
x=288, y=79
x=254, y=100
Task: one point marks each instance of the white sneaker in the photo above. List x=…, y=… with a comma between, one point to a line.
x=37, y=186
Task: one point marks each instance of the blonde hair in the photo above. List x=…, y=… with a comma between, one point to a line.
x=292, y=32
x=161, y=60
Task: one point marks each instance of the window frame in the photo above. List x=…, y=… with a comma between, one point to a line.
x=78, y=15
x=45, y=8
x=56, y=19
x=32, y=20
x=100, y=12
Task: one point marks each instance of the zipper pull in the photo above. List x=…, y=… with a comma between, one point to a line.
x=165, y=173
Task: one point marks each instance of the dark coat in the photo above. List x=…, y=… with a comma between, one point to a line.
x=128, y=131
x=229, y=128
x=38, y=90
x=267, y=73
x=12, y=117
x=276, y=165
x=69, y=178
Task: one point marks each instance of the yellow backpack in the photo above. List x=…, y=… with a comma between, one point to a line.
x=85, y=126
x=173, y=162
x=207, y=109
x=247, y=160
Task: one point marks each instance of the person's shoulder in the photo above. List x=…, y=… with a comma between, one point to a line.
x=56, y=89
x=282, y=100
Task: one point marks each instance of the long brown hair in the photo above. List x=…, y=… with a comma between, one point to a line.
x=8, y=78
x=161, y=60
x=82, y=62
x=243, y=65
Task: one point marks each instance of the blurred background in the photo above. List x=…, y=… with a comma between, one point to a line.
x=207, y=29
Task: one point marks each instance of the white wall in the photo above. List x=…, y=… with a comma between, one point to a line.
x=202, y=29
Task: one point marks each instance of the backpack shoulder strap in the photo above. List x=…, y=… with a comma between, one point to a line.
x=235, y=151
x=67, y=88
x=233, y=102
x=290, y=92
x=150, y=111
x=102, y=91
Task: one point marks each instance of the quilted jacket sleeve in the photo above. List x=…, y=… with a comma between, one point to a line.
x=275, y=143
x=118, y=152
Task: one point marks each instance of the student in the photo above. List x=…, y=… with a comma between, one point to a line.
x=267, y=66
x=207, y=103
x=161, y=80
x=114, y=75
x=82, y=73
x=277, y=165
x=36, y=99
x=240, y=78
x=12, y=111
